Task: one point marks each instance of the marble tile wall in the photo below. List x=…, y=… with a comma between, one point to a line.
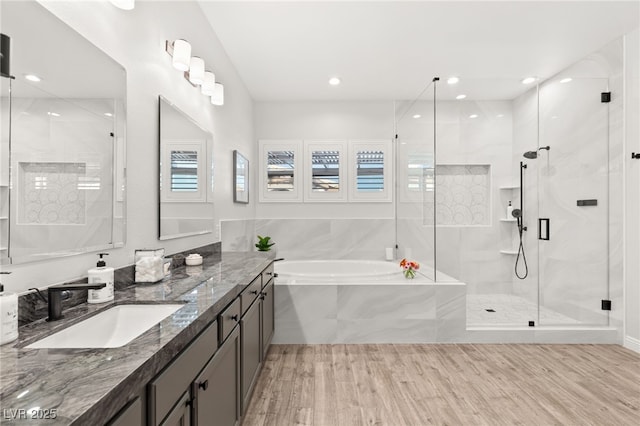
x=301, y=239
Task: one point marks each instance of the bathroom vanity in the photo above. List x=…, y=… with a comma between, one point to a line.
x=197, y=366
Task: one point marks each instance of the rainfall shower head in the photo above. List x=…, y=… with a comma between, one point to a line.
x=532, y=155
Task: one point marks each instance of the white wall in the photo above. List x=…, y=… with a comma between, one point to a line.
x=136, y=40
x=632, y=190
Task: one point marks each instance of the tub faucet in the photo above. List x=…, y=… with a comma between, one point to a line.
x=56, y=293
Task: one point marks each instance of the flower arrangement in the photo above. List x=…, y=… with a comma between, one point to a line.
x=409, y=268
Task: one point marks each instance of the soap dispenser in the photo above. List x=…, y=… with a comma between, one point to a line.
x=101, y=274
x=8, y=315
x=509, y=211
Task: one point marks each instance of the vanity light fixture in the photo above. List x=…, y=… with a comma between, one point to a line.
x=334, y=81
x=32, y=77
x=452, y=80
x=528, y=80
x=124, y=4
x=461, y=97
x=181, y=53
x=218, y=95
x=209, y=83
x=196, y=70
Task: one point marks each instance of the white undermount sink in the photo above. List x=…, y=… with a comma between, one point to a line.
x=112, y=328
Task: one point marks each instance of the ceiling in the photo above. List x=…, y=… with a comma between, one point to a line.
x=391, y=50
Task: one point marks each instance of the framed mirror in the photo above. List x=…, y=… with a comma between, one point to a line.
x=186, y=175
x=62, y=140
x=240, y=178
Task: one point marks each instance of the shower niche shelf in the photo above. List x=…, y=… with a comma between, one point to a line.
x=505, y=219
x=509, y=252
x=509, y=187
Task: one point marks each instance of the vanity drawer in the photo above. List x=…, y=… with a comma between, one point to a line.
x=267, y=275
x=228, y=319
x=167, y=388
x=250, y=294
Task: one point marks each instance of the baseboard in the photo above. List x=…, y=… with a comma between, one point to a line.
x=632, y=343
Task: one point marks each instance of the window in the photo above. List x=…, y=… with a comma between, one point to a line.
x=184, y=170
x=325, y=175
x=370, y=165
x=280, y=171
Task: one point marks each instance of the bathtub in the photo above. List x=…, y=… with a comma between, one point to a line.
x=364, y=301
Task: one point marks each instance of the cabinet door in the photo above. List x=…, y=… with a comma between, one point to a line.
x=251, y=351
x=181, y=413
x=268, y=323
x=217, y=388
x=131, y=415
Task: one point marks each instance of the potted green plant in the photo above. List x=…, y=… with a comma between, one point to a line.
x=264, y=243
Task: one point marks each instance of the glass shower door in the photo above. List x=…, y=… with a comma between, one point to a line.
x=573, y=209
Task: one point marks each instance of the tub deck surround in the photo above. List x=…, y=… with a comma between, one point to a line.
x=87, y=386
x=330, y=302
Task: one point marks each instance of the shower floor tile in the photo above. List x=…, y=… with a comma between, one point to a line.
x=511, y=310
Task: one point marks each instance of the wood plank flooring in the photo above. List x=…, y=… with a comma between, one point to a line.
x=447, y=384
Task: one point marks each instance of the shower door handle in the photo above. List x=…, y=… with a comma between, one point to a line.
x=543, y=228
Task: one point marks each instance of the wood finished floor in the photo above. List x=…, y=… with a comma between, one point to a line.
x=449, y=384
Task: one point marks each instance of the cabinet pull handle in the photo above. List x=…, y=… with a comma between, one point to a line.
x=254, y=292
x=234, y=317
x=204, y=385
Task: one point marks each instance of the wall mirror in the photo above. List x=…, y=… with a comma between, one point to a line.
x=186, y=175
x=240, y=178
x=62, y=144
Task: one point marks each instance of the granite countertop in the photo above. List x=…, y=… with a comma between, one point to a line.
x=87, y=386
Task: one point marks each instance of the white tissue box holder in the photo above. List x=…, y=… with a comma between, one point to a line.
x=149, y=265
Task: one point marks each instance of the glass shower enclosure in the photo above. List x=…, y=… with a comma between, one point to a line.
x=460, y=153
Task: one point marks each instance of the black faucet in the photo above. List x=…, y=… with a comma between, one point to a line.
x=54, y=296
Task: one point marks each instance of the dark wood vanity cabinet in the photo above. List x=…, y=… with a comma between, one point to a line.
x=268, y=316
x=250, y=339
x=211, y=382
x=217, y=389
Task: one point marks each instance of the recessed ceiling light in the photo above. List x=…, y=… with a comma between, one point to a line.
x=417, y=116
x=32, y=77
x=108, y=114
x=53, y=114
x=500, y=115
x=452, y=80
x=566, y=80
x=334, y=81
x=473, y=116
x=461, y=96
x=528, y=80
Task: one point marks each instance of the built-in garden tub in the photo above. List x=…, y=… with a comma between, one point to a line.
x=364, y=301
